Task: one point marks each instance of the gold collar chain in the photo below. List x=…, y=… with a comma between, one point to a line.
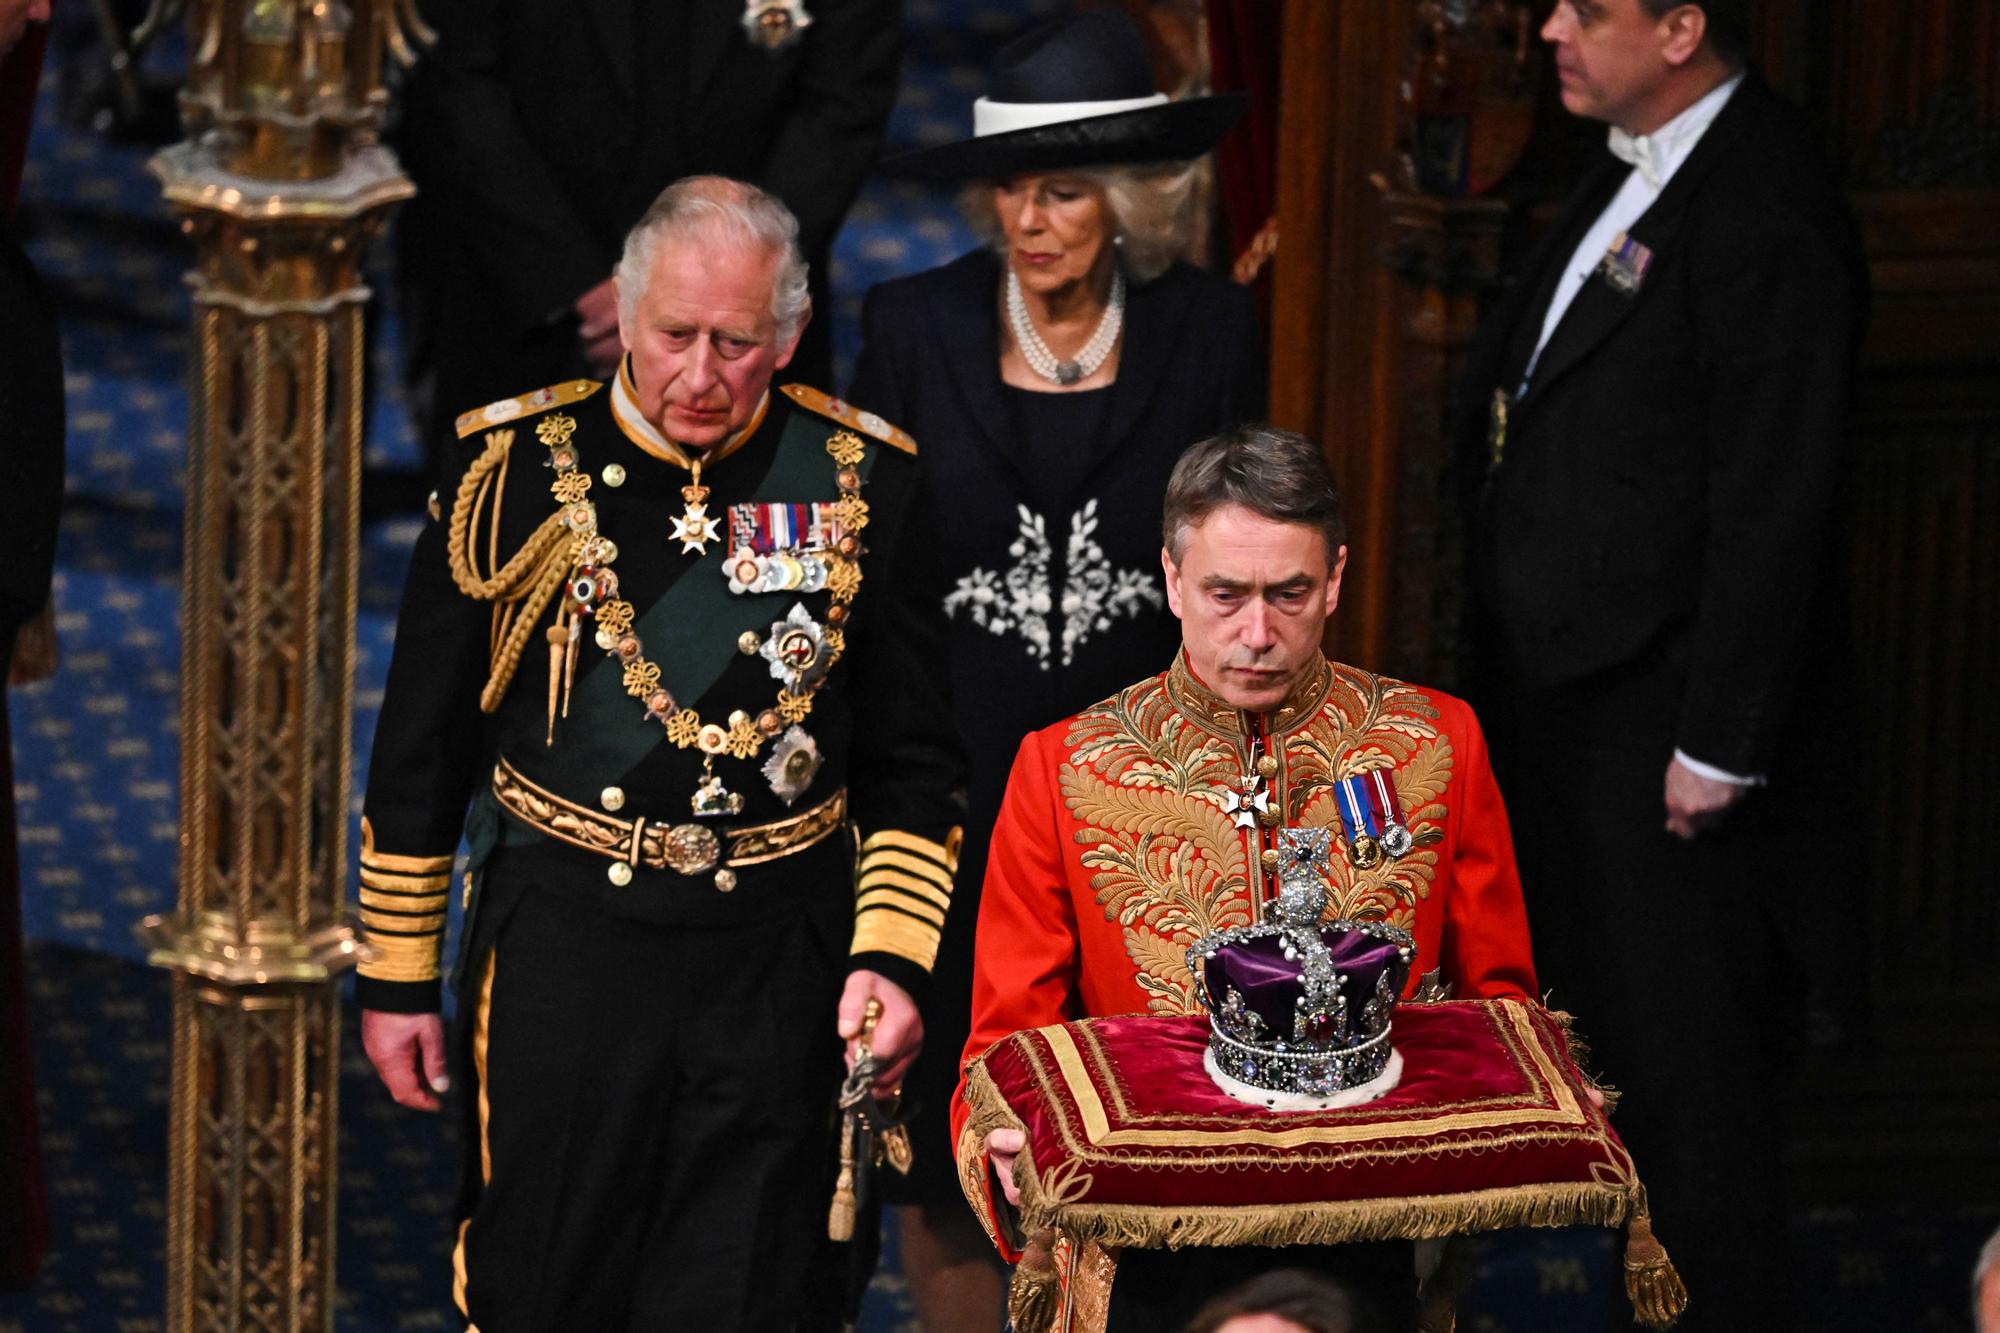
x=592, y=590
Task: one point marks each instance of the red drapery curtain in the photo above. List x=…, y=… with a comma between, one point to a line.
x=1243, y=38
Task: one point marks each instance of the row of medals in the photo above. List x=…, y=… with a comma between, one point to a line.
x=798, y=648
x=1249, y=805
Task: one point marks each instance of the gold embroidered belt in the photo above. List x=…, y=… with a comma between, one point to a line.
x=687, y=849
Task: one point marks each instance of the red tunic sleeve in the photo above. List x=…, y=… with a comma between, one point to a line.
x=1025, y=957
x=1486, y=950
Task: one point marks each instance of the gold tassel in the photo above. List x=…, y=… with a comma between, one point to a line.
x=557, y=636
x=1654, y=1288
x=840, y=1217
x=1032, y=1295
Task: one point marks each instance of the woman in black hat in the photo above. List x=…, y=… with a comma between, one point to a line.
x=1051, y=380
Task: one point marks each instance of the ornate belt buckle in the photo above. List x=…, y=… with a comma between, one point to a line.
x=692, y=849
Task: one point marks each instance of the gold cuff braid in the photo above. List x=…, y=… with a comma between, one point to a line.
x=902, y=891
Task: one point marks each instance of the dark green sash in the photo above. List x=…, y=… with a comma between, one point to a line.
x=691, y=631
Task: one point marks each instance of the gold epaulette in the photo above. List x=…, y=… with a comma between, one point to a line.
x=541, y=400
x=847, y=414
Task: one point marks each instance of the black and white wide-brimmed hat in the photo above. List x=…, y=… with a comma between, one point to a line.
x=1077, y=92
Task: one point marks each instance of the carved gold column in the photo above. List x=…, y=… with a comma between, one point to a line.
x=281, y=183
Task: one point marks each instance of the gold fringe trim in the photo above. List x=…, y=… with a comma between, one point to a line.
x=1335, y=1222
x=1656, y=1291
x=989, y=1111
x=972, y=1181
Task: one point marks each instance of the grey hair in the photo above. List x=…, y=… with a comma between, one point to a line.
x=1273, y=473
x=1151, y=208
x=1989, y=1262
x=713, y=208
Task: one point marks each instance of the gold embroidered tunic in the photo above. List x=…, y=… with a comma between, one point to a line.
x=1116, y=849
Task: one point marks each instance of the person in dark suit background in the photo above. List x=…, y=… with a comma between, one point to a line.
x=1051, y=378
x=31, y=464
x=1656, y=411
x=538, y=132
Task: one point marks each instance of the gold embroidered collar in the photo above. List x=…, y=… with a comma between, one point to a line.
x=625, y=411
x=1215, y=715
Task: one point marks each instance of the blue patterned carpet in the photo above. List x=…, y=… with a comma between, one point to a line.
x=96, y=757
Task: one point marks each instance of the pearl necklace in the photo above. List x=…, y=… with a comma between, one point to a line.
x=1036, y=352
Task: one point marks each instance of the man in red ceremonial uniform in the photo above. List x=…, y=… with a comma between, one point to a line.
x=1150, y=820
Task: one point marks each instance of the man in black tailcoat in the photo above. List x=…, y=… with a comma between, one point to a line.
x=539, y=130
x=1654, y=434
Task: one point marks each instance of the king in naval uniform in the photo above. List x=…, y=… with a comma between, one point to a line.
x=1152, y=819
x=653, y=638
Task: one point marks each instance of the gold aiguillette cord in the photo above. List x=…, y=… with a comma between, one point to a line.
x=558, y=636
x=569, y=661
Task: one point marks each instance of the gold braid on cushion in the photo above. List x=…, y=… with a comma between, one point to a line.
x=522, y=588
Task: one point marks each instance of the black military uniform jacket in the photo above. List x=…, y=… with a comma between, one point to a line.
x=586, y=650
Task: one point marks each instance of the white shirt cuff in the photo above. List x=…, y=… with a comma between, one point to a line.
x=1710, y=771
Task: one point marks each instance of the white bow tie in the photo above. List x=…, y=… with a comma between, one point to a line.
x=1641, y=151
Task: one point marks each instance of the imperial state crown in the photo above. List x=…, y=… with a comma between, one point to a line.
x=1299, y=1009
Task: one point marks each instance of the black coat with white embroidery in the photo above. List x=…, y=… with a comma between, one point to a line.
x=1191, y=363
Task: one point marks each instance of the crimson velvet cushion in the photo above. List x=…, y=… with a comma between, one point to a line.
x=1492, y=1125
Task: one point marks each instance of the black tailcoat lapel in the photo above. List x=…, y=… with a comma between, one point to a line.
x=1509, y=330
x=1599, y=308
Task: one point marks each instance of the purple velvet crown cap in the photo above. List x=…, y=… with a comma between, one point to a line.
x=1299, y=1007
x=1269, y=982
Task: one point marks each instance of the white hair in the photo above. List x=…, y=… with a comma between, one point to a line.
x=1151, y=208
x=719, y=209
